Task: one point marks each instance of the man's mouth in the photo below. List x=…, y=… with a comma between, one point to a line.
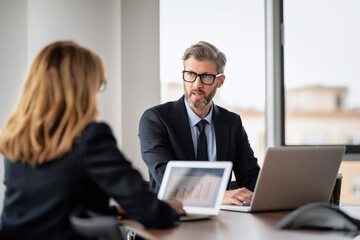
x=197, y=93
x=198, y=96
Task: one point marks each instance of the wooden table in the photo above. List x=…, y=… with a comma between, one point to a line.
x=235, y=225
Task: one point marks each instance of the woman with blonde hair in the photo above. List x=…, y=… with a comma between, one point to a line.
x=58, y=158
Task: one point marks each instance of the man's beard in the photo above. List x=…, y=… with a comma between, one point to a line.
x=199, y=105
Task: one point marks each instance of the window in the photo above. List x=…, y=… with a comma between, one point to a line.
x=320, y=104
x=321, y=73
x=236, y=28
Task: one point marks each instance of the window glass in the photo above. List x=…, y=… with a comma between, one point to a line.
x=237, y=29
x=321, y=72
x=321, y=80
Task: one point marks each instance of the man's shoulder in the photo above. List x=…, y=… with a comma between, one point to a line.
x=223, y=112
x=165, y=108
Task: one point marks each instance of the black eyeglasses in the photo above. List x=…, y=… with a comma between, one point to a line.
x=205, y=78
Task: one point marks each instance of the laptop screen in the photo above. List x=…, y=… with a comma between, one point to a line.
x=195, y=184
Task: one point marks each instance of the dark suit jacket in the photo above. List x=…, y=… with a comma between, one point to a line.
x=165, y=135
x=39, y=200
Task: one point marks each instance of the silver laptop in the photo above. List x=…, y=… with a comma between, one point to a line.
x=199, y=185
x=294, y=176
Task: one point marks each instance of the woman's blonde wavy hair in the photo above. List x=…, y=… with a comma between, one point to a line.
x=58, y=100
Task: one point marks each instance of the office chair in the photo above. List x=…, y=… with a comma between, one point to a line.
x=95, y=226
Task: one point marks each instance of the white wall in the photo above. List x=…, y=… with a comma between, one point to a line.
x=124, y=32
x=140, y=70
x=13, y=15
x=12, y=53
x=93, y=23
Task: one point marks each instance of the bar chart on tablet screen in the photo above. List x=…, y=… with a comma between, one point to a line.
x=194, y=190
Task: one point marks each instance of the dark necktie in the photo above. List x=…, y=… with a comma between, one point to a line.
x=202, y=153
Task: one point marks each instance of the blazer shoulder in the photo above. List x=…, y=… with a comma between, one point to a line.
x=95, y=127
x=161, y=108
x=165, y=110
x=226, y=114
x=95, y=131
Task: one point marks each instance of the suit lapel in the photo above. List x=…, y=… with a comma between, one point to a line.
x=182, y=128
x=222, y=132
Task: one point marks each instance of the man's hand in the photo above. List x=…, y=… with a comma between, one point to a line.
x=238, y=196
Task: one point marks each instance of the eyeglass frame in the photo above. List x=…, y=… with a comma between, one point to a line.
x=200, y=75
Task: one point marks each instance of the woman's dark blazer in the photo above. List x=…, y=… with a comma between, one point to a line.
x=39, y=200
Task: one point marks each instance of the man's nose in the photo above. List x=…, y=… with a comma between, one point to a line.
x=197, y=81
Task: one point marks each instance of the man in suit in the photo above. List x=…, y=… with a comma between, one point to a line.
x=170, y=131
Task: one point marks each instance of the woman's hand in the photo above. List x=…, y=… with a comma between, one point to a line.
x=120, y=210
x=177, y=206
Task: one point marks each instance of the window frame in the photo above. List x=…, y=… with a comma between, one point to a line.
x=277, y=11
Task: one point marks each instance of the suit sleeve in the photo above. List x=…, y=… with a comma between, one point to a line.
x=246, y=168
x=109, y=169
x=156, y=149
